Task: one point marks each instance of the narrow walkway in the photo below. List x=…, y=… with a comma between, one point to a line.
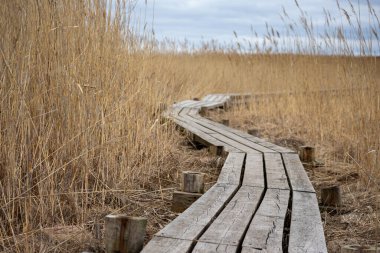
x=263, y=200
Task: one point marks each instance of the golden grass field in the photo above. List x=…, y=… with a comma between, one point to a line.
x=81, y=135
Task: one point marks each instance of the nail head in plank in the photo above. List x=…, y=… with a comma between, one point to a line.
x=297, y=174
x=254, y=171
x=306, y=229
x=193, y=220
x=232, y=169
x=203, y=247
x=229, y=226
x=167, y=245
x=275, y=171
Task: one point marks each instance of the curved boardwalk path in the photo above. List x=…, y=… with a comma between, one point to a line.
x=263, y=200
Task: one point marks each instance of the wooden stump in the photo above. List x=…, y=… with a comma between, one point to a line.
x=124, y=234
x=182, y=200
x=307, y=154
x=114, y=227
x=331, y=196
x=192, y=182
x=226, y=122
x=134, y=235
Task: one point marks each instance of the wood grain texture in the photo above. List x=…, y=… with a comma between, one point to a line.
x=306, y=229
x=297, y=174
x=203, y=247
x=266, y=229
x=275, y=172
x=225, y=131
x=254, y=171
x=228, y=228
x=191, y=222
x=167, y=245
x=232, y=169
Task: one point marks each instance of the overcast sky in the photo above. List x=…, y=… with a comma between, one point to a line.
x=198, y=20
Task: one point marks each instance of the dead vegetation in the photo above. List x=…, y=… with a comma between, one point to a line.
x=80, y=131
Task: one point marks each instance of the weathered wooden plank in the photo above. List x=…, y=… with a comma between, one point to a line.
x=234, y=143
x=266, y=229
x=297, y=174
x=306, y=229
x=203, y=247
x=225, y=131
x=271, y=145
x=192, y=221
x=275, y=172
x=275, y=203
x=253, y=250
x=167, y=245
x=229, y=227
x=232, y=169
x=254, y=171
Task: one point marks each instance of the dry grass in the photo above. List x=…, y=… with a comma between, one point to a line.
x=80, y=126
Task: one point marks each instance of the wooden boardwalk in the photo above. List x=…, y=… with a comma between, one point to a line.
x=263, y=200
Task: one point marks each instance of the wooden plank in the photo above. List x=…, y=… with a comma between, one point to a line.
x=225, y=131
x=271, y=145
x=266, y=229
x=254, y=171
x=234, y=143
x=204, y=138
x=190, y=224
x=203, y=247
x=232, y=169
x=229, y=227
x=306, y=229
x=275, y=203
x=297, y=174
x=167, y=245
x=252, y=250
x=275, y=172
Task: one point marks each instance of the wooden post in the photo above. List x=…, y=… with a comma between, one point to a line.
x=226, y=122
x=114, y=227
x=134, y=235
x=216, y=150
x=307, y=154
x=192, y=182
x=124, y=234
x=196, y=99
x=330, y=196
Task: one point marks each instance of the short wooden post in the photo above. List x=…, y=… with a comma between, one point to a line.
x=216, y=150
x=192, y=188
x=114, y=228
x=134, y=235
x=124, y=234
x=307, y=154
x=196, y=99
x=331, y=196
x=226, y=122
x=192, y=182
x=254, y=132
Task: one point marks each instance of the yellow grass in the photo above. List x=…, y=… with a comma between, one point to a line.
x=79, y=112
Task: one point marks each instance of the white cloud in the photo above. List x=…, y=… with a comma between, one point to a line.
x=218, y=19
